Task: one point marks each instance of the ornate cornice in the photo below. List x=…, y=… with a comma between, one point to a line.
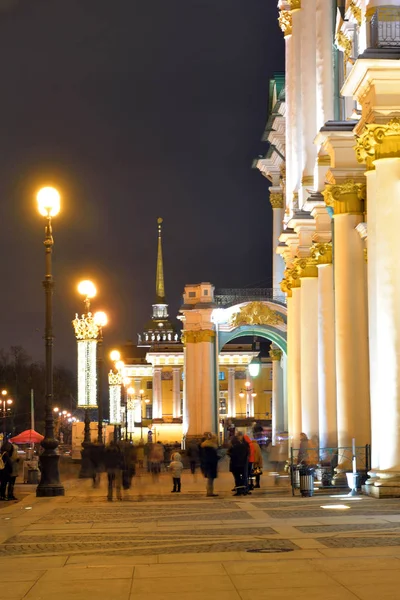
x=256, y=313
x=347, y=197
x=275, y=353
x=285, y=22
x=322, y=253
x=379, y=141
x=114, y=378
x=276, y=200
x=306, y=267
x=196, y=336
x=344, y=43
x=355, y=11
x=307, y=180
x=85, y=327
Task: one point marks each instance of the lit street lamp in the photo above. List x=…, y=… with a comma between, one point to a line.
x=143, y=399
x=48, y=200
x=5, y=407
x=101, y=320
x=250, y=394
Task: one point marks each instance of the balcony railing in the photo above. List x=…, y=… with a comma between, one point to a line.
x=230, y=296
x=385, y=27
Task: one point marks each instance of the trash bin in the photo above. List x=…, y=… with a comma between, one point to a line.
x=33, y=476
x=294, y=471
x=306, y=481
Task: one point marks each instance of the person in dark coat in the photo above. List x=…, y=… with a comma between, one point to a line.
x=113, y=460
x=239, y=455
x=209, y=459
x=193, y=454
x=5, y=474
x=97, y=459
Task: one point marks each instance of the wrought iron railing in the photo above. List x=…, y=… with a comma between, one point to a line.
x=385, y=27
x=229, y=296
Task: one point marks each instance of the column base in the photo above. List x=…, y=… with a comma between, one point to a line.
x=383, y=484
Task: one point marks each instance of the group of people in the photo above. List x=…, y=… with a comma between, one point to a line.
x=9, y=465
x=246, y=463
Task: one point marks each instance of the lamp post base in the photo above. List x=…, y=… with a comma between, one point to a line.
x=50, y=484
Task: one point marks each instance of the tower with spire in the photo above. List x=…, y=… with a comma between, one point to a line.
x=159, y=330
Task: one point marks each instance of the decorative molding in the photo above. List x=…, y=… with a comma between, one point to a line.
x=356, y=12
x=379, y=141
x=275, y=353
x=276, y=200
x=85, y=327
x=307, y=267
x=114, y=378
x=347, y=197
x=322, y=253
x=196, y=336
x=307, y=180
x=285, y=22
x=344, y=43
x=256, y=313
x=324, y=160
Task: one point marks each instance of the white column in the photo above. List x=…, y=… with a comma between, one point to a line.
x=309, y=356
x=138, y=409
x=277, y=393
x=231, y=392
x=208, y=399
x=324, y=63
x=284, y=368
x=326, y=358
x=176, y=392
x=296, y=367
x=353, y=415
x=385, y=254
x=157, y=393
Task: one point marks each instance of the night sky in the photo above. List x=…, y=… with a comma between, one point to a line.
x=134, y=110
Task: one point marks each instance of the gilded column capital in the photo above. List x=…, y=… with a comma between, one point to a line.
x=322, y=253
x=196, y=336
x=275, y=353
x=306, y=267
x=286, y=288
x=347, y=197
x=285, y=22
x=379, y=141
x=276, y=200
x=295, y=4
x=307, y=180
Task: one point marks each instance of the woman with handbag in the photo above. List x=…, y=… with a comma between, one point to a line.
x=258, y=463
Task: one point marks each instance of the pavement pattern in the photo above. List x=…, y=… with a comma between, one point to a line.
x=155, y=545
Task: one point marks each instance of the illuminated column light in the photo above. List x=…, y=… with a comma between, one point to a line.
x=131, y=415
x=86, y=332
x=115, y=385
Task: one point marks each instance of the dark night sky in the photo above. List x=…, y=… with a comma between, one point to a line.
x=133, y=110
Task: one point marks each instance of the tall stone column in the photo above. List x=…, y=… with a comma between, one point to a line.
x=326, y=347
x=157, y=393
x=351, y=333
x=277, y=392
x=176, y=392
x=294, y=357
x=138, y=408
x=231, y=392
x=324, y=64
x=309, y=345
x=278, y=266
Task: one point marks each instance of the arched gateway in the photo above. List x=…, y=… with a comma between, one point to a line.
x=210, y=322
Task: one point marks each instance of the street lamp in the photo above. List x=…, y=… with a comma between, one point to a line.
x=5, y=404
x=101, y=320
x=254, y=367
x=48, y=201
x=250, y=394
x=146, y=400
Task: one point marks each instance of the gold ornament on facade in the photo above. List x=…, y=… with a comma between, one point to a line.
x=85, y=327
x=285, y=22
x=345, y=44
x=322, y=253
x=306, y=267
x=292, y=275
x=114, y=378
x=276, y=200
x=256, y=313
x=355, y=11
x=346, y=198
x=366, y=254
x=196, y=336
x=307, y=180
x=275, y=353
x=379, y=141
x=295, y=4
x=324, y=160
x=286, y=287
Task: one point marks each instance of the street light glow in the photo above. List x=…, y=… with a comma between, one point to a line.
x=4, y=392
x=100, y=318
x=56, y=409
x=120, y=365
x=115, y=355
x=9, y=401
x=141, y=392
x=48, y=200
x=87, y=288
x=131, y=391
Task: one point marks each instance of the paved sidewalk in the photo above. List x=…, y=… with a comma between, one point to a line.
x=154, y=545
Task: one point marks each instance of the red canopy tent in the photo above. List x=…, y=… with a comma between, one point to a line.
x=30, y=436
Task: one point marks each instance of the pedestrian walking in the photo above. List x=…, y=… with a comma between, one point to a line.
x=193, y=454
x=13, y=453
x=113, y=463
x=250, y=485
x=96, y=455
x=176, y=468
x=128, y=463
x=238, y=452
x=209, y=461
x=258, y=464
x=5, y=469
x=156, y=458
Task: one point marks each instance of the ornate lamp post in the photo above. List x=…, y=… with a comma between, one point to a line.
x=49, y=206
x=115, y=392
x=101, y=320
x=5, y=407
x=86, y=333
x=143, y=399
x=250, y=394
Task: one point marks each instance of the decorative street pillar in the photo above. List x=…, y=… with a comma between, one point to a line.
x=176, y=393
x=352, y=365
x=308, y=272
x=231, y=393
x=277, y=392
x=157, y=393
x=322, y=252
x=115, y=388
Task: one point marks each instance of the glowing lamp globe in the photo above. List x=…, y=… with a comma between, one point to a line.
x=120, y=365
x=131, y=391
x=100, y=318
x=254, y=367
x=48, y=200
x=115, y=355
x=141, y=392
x=87, y=288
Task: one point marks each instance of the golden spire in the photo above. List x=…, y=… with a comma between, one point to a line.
x=160, y=290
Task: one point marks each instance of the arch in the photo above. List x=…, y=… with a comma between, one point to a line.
x=265, y=331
